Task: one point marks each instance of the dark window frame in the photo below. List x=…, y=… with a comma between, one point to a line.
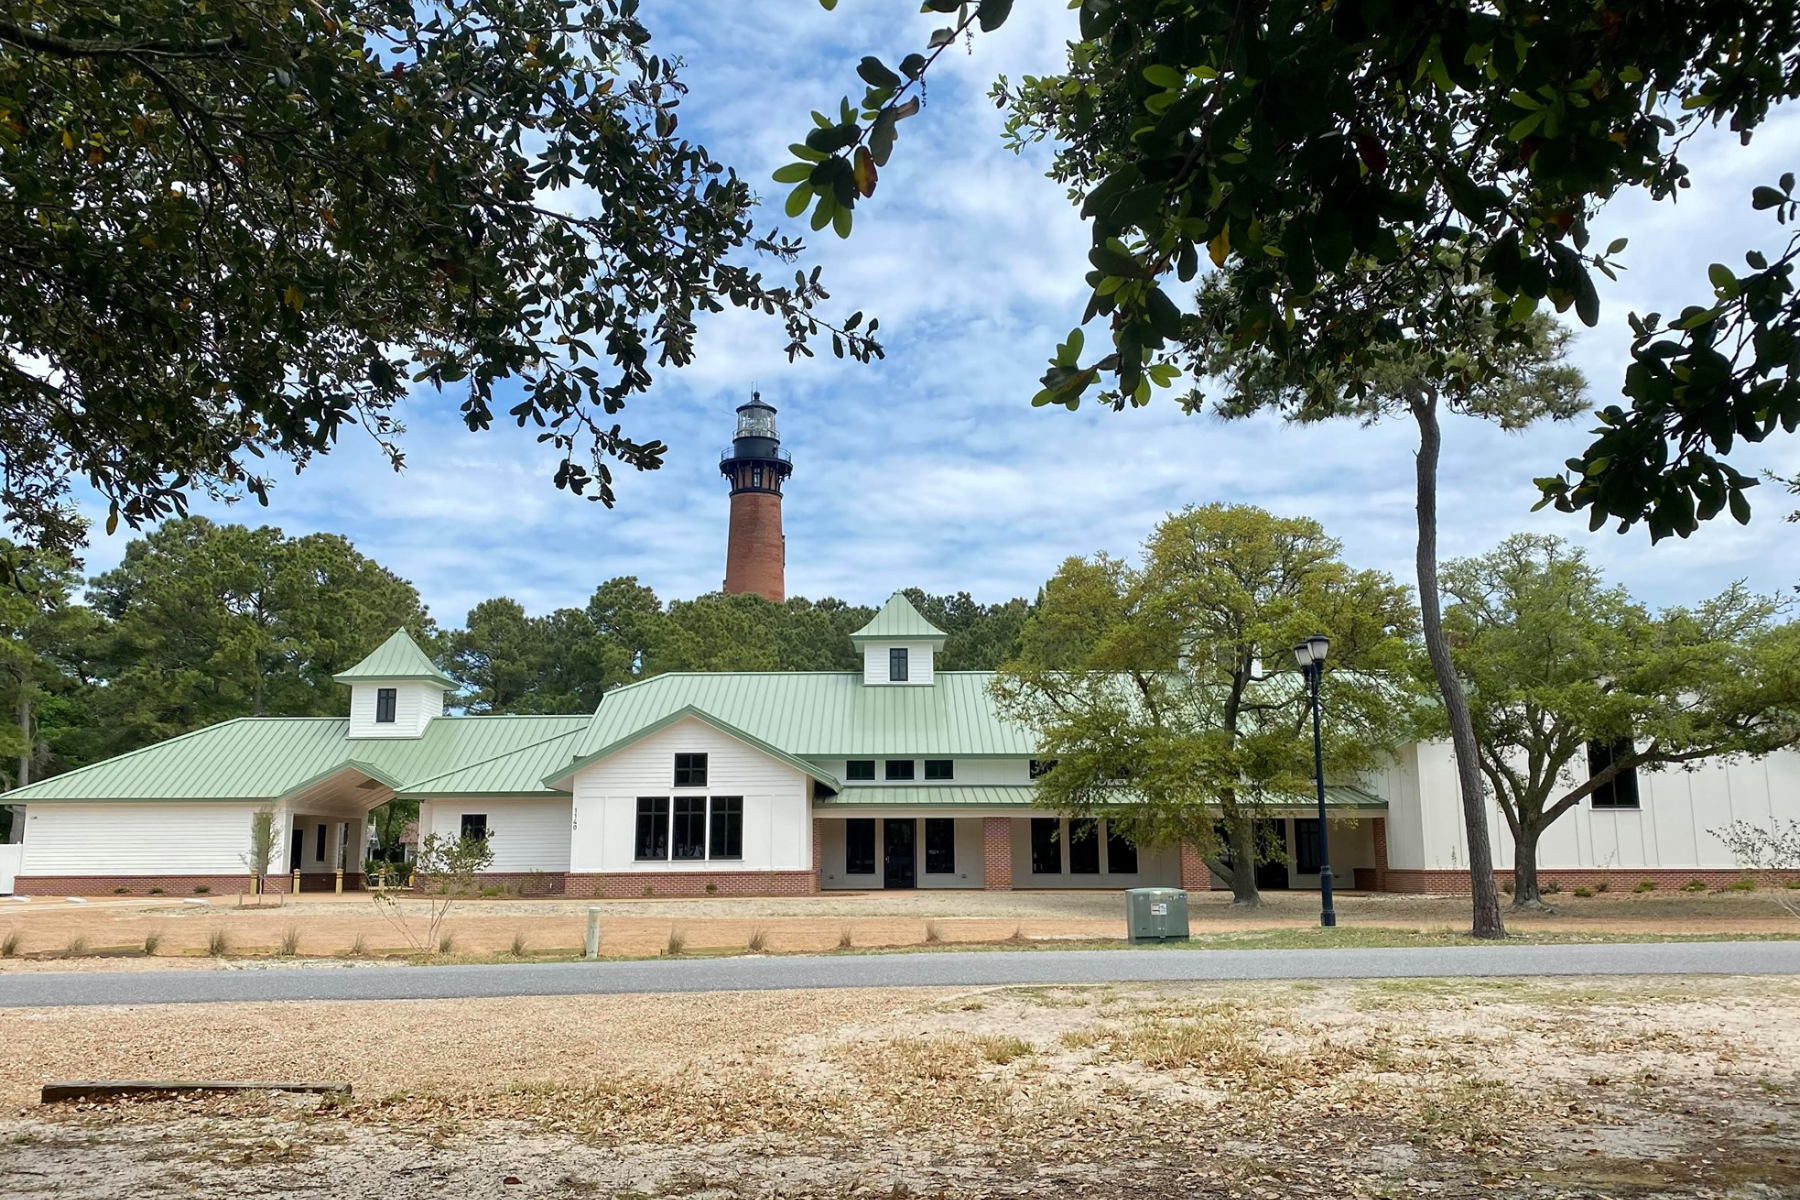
x=940, y=845
x=1084, y=846
x=1041, y=767
x=655, y=817
x=1308, y=851
x=690, y=770
x=940, y=769
x=725, y=828
x=859, y=770
x=687, y=829
x=898, y=667
x=891, y=770
x=1121, y=853
x=1620, y=793
x=855, y=829
x=387, y=700
x=479, y=820
x=1046, y=845
x=320, y=856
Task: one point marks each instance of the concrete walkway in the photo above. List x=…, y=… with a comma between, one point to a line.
x=955, y=969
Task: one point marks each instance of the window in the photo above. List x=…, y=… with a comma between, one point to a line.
x=897, y=664
x=1306, y=845
x=859, y=846
x=756, y=476
x=320, y=856
x=1046, y=848
x=1121, y=853
x=384, y=705
x=653, y=827
x=690, y=770
x=1621, y=791
x=474, y=827
x=1041, y=767
x=1084, y=847
x=860, y=768
x=688, y=840
x=940, y=768
x=940, y=846
x=899, y=768
x=727, y=827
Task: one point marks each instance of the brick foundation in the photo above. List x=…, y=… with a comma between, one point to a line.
x=690, y=883
x=1196, y=876
x=1619, y=879
x=139, y=885
x=996, y=854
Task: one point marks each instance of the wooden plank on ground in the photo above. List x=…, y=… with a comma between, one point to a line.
x=94, y=1089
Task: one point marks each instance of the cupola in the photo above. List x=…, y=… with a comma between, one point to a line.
x=395, y=691
x=898, y=646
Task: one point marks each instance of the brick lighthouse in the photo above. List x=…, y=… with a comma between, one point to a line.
x=756, y=556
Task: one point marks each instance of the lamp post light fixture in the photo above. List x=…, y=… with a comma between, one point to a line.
x=1310, y=654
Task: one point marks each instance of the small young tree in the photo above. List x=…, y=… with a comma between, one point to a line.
x=445, y=870
x=1166, y=693
x=1774, y=848
x=1555, y=661
x=264, y=841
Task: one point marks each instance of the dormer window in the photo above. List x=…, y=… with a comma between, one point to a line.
x=897, y=665
x=384, y=705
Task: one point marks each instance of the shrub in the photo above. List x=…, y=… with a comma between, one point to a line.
x=934, y=933
x=121, y=891
x=1584, y=892
x=1740, y=885
x=649, y=890
x=360, y=947
x=1645, y=885
x=676, y=944
x=845, y=941
x=1507, y=887
x=152, y=942
x=1694, y=885
x=290, y=941
x=200, y=889
x=489, y=892
x=518, y=949
x=759, y=940
x=217, y=944
x=712, y=889
x=9, y=945
x=156, y=891
x=1550, y=888
x=446, y=943
x=76, y=945
x=1017, y=935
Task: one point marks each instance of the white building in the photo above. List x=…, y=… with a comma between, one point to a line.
x=897, y=776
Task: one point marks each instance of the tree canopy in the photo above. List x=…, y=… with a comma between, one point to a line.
x=1348, y=160
x=228, y=231
x=1166, y=691
x=1572, y=684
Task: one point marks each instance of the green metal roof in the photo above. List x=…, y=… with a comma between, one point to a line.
x=974, y=795
x=265, y=758
x=898, y=620
x=824, y=714
x=559, y=774
x=397, y=658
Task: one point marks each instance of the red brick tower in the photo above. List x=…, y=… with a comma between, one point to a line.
x=756, y=556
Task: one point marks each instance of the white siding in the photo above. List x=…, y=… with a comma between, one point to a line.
x=528, y=834
x=777, y=803
x=11, y=855
x=918, y=663
x=1670, y=829
x=415, y=703
x=137, y=839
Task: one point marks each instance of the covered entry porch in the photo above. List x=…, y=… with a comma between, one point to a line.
x=323, y=830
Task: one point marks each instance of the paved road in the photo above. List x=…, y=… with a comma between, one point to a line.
x=961, y=969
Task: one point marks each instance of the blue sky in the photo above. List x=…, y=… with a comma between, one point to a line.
x=930, y=468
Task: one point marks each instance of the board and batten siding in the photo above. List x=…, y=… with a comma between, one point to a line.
x=919, y=667
x=777, y=803
x=415, y=703
x=1669, y=830
x=528, y=834
x=137, y=839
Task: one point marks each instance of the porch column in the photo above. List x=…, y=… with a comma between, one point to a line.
x=996, y=854
x=1196, y=876
x=818, y=853
x=1381, y=854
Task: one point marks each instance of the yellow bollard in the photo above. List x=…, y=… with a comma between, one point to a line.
x=340, y=881
x=296, y=881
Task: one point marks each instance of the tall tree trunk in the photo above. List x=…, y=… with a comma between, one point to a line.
x=1486, y=897
x=1241, y=831
x=23, y=715
x=1525, y=872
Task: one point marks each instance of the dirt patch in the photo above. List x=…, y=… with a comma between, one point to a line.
x=1619, y=1087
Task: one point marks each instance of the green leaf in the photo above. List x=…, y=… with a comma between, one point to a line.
x=1740, y=507
x=840, y=222
x=798, y=199
x=991, y=14
x=1764, y=196
x=793, y=172
x=1616, y=245
x=1165, y=76
x=875, y=74
x=807, y=153
x=1723, y=278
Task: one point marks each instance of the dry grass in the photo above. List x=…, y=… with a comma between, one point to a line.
x=76, y=945
x=519, y=948
x=759, y=941
x=152, y=942
x=218, y=944
x=934, y=933
x=446, y=942
x=846, y=938
x=290, y=942
x=676, y=944
x=9, y=945
x=360, y=947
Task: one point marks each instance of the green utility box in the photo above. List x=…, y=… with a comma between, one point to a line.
x=1156, y=915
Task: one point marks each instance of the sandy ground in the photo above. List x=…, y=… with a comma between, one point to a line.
x=111, y=933
x=1614, y=1088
